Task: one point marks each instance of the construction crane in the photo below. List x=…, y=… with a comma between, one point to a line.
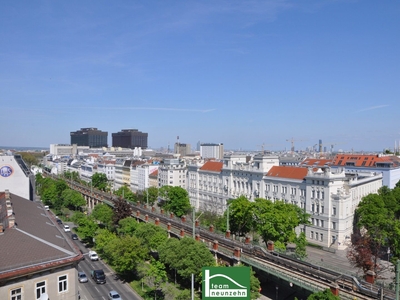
x=292, y=140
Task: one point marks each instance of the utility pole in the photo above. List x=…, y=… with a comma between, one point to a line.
x=227, y=218
x=397, y=278
x=194, y=222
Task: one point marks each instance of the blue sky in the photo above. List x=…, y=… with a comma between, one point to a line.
x=242, y=73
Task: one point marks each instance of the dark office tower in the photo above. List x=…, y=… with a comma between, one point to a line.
x=130, y=138
x=91, y=137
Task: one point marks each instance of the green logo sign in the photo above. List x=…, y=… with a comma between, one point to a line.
x=225, y=282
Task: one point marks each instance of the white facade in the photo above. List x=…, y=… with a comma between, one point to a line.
x=330, y=196
x=144, y=172
x=215, y=151
x=173, y=173
x=66, y=150
x=16, y=177
x=211, y=184
x=107, y=168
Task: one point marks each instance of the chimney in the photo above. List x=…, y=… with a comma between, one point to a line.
x=7, y=193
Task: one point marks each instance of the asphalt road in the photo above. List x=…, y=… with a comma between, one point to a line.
x=91, y=290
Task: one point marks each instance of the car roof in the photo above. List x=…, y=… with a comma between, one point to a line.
x=81, y=273
x=113, y=293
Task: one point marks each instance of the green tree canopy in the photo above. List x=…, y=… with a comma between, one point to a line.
x=176, y=200
x=240, y=215
x=72, y=198
x=125, y=253
x=277, y=220
x=151, y=194
x=152, y=236
x=127, y=226
x=103, y=238
x=103, y=213
x=324, y=295
x=126, y=193
x=100, y=181
x=183, y=258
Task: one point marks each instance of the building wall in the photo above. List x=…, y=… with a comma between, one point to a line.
x=173, y=173
x=17, y=180
x=212, y=151
x=28, y=286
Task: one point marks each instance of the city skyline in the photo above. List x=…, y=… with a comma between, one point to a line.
x=246, y=74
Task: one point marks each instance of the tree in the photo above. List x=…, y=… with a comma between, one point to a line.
x=72, y=198
x=127, y=226
x=277, y=221
x=151, y=194
x=151, y=235
x=103, y=213
x=176, y=200
x=181, y=258
x=125, y=253
x=324, y=295
x=86, y=228
x=363, y=253
x=125, y=193
x=240, y=215
x=122, y=210
x=30, y=158
x=100, y=181
x=103, y=238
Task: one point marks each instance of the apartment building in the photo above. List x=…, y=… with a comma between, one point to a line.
x=134, y=175
x=172, y=172
x=329, y=195
x=210, y=150
x=388, y=165
x=38, y=260
x=144, y=172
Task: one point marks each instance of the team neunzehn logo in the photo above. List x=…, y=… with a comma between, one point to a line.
x=6, y=171
x=225, y=282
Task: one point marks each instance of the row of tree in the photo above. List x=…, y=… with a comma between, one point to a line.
x=376, y=232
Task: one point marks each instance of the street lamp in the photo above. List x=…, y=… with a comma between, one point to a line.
x=277, y=289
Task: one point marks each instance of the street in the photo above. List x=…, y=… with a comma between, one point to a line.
x=92, y=290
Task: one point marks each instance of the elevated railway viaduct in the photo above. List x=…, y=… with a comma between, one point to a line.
x=296, y=273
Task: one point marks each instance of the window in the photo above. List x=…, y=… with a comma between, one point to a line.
x=321, y=237
x=16, y=294
x=334, y=211
x=316, y=236
x=313, y=194
x=322, y=223
x=333, y=225
x=322, y=195
x=312, y=234
x=40, y=289
x=312, y=207
x=322, y=209
x=62, y=283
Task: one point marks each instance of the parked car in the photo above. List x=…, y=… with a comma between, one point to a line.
x=59, y=222
x=93, y=255
x=66, y=228
x=74, y=236
x=113, y=295
x=82, y=277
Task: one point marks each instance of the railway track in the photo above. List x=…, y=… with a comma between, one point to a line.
x=349, y=286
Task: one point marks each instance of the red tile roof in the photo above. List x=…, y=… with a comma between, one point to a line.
x=288, y=172
x=212, y=166
x=154, y=174
x=314, y=162
x=362, y=160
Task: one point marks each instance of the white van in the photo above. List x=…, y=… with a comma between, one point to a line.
x=93, y=255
